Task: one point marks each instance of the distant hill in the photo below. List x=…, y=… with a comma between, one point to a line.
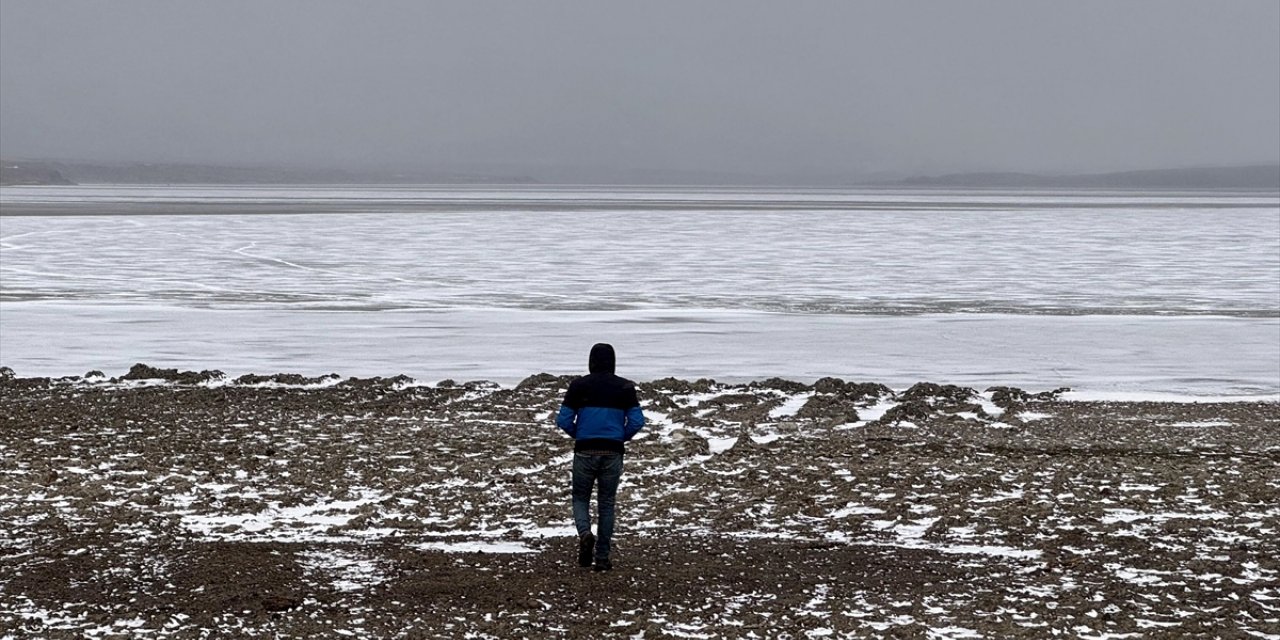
x=73, y=172
x=57, y=172
x=17, y=173
x=1242, y=177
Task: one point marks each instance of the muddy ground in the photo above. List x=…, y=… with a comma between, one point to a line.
x=185, y=505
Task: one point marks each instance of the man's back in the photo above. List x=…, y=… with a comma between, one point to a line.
x=601, y=410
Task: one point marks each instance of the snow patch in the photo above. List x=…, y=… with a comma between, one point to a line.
x=476, y=546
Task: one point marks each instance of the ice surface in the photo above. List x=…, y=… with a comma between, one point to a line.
x=1140, y=358
x=792, y=251
x=464, y=283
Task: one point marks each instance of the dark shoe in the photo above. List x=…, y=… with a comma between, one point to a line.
x=603, y=564
x=586, y=549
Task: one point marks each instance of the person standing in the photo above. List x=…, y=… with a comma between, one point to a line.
x=600, y=412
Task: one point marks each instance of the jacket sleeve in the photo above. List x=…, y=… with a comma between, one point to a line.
x=635, y=418
x=567, y=419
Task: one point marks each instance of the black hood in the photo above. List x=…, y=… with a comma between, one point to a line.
x=602, y=359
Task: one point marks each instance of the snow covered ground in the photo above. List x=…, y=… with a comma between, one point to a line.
x=393, y=508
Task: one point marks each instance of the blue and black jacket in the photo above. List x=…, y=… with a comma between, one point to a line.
x=600, y=411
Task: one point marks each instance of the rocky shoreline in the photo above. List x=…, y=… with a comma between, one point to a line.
x=164, y=503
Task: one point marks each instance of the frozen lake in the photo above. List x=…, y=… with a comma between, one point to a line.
x=1102, y=291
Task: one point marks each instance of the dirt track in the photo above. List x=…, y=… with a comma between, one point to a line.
x=379, y=508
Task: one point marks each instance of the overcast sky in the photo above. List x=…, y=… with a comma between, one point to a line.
x=769, y=88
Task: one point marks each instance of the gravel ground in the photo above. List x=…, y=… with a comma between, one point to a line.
x=181, y=504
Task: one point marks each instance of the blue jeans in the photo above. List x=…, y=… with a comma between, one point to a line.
x=587, y=471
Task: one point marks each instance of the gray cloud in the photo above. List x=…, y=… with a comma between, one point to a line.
x=773, y=88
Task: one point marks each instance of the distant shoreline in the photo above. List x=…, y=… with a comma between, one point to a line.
x=1241, y=177
x=18, y=172
x=227, y=199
